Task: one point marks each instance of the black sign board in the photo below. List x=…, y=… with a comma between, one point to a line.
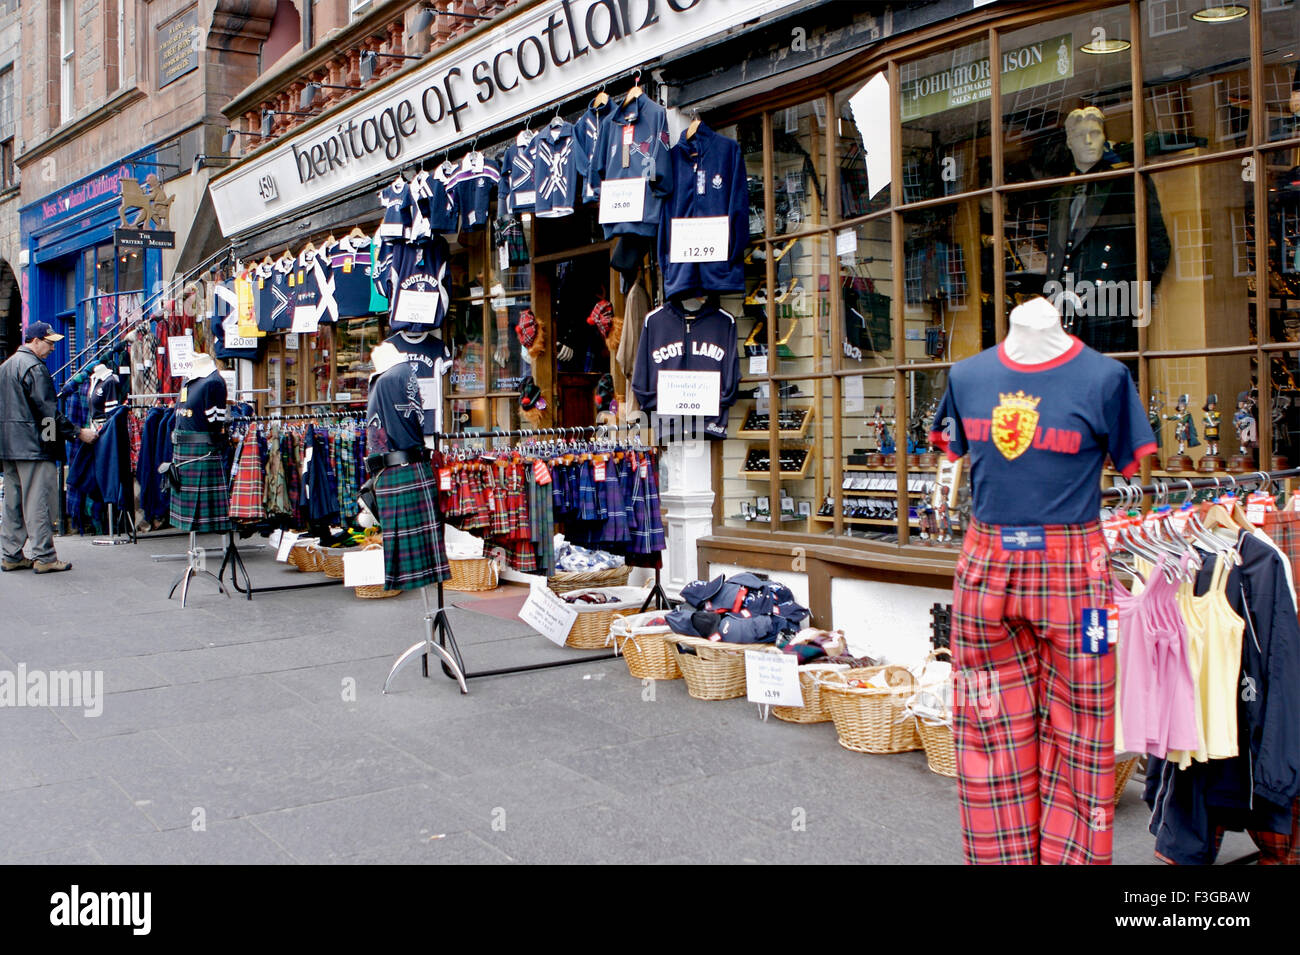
x=144, y=239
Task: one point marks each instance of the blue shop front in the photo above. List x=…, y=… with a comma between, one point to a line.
x=78, y=279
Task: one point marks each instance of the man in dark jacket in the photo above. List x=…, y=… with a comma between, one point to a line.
x=32, y=432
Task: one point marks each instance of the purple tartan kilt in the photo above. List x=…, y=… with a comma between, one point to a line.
x=414, y=552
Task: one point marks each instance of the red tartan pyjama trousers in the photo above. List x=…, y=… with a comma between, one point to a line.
x=1034, y=716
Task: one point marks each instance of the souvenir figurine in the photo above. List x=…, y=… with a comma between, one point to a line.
x=1155, y=410
x=884, y=437
x=1244, y=421
x=944, y=515
x=1184, y=434
x=929, y=523
x=1281, y=435
x=1211, y=418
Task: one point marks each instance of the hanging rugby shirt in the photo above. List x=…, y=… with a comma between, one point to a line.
x=634, y=144
x=282, y=285
x=381, y=266
x=473, y=186
x=225, y=309
x=555, y=154
x=1038, y=435
x=266, y=305
x=399, y=209
x=709, y=181
x=517, y=170
x=435, y=206
x=394, y=411
x=305, y=284
x=420, y=284
x=106, y=395
x=673, y=339
x=431, y=358
x=348, y=279
x=202, y=404
x=586, y=131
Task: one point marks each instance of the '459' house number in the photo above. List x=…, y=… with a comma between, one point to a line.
x=266, y=188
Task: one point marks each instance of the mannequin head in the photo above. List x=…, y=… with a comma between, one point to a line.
x=1038, y=313
x=99, y=372
x=1085, y=134
x=203, y=365
x=384, y=356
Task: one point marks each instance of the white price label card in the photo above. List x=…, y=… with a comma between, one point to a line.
x=291, y=341
x=305, y=319
x=548, y=614
x=772, y=678
x=343, y=396
x=287, y=540
x=503, y=258
x=429, y=393
x=180, y=355
x=235, y=340
x=853, y=394
x=124, y=370
x=689, y=393
x=758, y=364
x=622, y=200
x=699, y=240
x=523, y=199
x=421, y=308
x=232, y=385
x=846, y=242
x=363, y=568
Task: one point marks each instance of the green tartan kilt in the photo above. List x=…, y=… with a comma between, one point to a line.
x=202, y=503
x=414, y=552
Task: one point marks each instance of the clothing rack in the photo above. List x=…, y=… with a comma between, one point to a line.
x=436, y=618
x=1163, y=487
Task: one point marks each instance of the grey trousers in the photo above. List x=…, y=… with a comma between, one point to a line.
x=31, y=508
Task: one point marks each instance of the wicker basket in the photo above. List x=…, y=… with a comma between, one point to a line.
x=872, y=719
x=1123, y=773
x=591, y=629
x=374, y=591
x=589, y=579
x=306, y=556
x=936, y=734
x=814, y=708
x=715, y=671
x=472, y=574
x=331, y=562
x=649, y=655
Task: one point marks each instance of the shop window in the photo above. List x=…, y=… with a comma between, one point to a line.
x=943, y=101
x=938, y=490
x=1283, y=244
x=799, y=167
x=1281, y=40
x=863, y=147
x=1168, y=16
x=864, y=504
x=1197, y=83
x=291, y=388
x=798, y=305
x=1282, y=412
x=948, y=282
x=1194, y=408
x=1053, y=69
x=866, y=288
x=353, y=341
x=1201, y=301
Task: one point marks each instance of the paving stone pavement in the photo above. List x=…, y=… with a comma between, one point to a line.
x=238, y=731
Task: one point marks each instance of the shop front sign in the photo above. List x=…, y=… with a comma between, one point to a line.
x=1047, y=61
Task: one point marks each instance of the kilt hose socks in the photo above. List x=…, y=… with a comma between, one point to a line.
x=1035, y=744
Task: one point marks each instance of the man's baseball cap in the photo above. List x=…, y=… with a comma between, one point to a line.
x=43, y=331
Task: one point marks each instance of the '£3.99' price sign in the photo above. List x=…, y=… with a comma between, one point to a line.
x=699, y=240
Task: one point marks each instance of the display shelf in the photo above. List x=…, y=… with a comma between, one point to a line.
x=766, y=473
x=885, y=470
x=802, y=430
x=876, y=521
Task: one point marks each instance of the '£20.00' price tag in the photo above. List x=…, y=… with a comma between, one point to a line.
x=699, y=240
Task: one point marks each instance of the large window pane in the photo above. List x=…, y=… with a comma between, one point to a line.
x=938, y=489
x=947, y=282
x=1196, y=77
x=1281, y=35
x=866, y=500
x=800, y=305
x=799, y=167
x=1192, y=406
x=945, y=111
x=353, y=342
x=867, y=290
x=1202, y=299
x=1054, y=68
x=863, y=147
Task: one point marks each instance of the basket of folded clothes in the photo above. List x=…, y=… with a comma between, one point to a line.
x=718, y=621
x=818, y=652
x=869, y=708
x=642, y=640
x=596, y=608
x=578, y=568
x=931, y=706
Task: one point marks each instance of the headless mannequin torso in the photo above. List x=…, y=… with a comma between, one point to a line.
x=1034, y=333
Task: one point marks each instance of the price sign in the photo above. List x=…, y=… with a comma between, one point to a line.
x=305, y=319
x=230, y=330
x=232, y=384
x=548, y=615
x=689, y=393
x=287, y=540
x=180, y=355
x=772, y=678
x=846, y=242
x=291, y=341
x=422, y=308
x=758, y=364
x=429, y=396
x=363, y=568
x=699, y=240
x=622, y=200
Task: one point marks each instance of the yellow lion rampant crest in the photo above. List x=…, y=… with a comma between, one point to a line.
x=1015, y=421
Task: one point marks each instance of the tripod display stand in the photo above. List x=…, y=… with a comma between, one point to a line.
x=114, y=538
x=194, y=568
x=435, y=621
x=235, y=561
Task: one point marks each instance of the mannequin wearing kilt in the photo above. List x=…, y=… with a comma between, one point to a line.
x=202, y=504
x=404, y=481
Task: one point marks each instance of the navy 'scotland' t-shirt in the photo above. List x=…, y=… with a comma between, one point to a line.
x=1038, y=435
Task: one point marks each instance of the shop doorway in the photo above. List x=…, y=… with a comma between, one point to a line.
x=11, y=312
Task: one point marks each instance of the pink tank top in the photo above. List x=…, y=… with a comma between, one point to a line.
x=1156, y=698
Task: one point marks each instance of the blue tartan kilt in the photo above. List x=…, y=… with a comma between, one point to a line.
x=414, y=551
x=202, y=504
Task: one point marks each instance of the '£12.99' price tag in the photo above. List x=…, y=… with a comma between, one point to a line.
x=699, y=240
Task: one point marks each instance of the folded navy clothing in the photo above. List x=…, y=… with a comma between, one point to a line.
x=727, y=627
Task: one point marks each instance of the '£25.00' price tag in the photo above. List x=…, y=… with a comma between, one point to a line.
x=622, y=200
x=699, y=240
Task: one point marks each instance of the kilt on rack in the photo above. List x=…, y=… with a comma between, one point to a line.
x=202, y=502
x=414, y=552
